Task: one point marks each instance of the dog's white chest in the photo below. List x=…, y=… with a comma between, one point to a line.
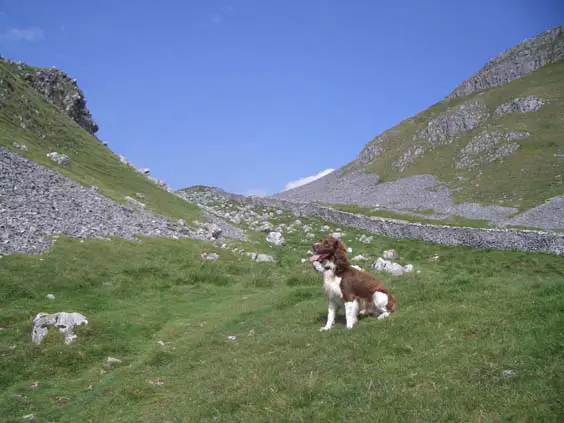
x=332, y=287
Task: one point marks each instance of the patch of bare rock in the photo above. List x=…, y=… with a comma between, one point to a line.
x=37, y=203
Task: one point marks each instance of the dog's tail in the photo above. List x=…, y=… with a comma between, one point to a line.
x=391, y=306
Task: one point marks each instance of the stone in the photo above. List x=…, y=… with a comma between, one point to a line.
x=390, y=255
x=264, y=258
x=60, y=159
x=394, y=268
x=275, y=238
x=209, y=256
x=112, y=361
x=63, y=321
x=358, y=258
x=50, y=296
x=135, y=203
x=21, y=147
x=519, y=105
x=365, y=239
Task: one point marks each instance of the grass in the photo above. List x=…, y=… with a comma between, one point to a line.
x=461, y=322
x=523, y=180
x=370, y=211
x=47, y=130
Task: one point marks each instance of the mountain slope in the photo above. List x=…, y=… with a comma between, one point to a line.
x=40, y=108
x=492, y=149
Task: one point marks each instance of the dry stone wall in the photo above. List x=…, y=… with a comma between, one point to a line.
x=503, y=239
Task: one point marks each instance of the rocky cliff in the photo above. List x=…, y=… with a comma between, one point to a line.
x=527, y=56
x=60, y=90
x=490, y=151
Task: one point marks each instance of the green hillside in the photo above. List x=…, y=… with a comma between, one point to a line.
x=523, y=179
x=27, y=118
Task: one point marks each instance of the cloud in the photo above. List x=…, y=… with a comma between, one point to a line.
x=307, y=179
x=29, y=35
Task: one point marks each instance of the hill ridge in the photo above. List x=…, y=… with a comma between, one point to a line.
x=492, y=154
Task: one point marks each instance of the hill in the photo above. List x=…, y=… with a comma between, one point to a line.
x=57, y=178
x=492, y=151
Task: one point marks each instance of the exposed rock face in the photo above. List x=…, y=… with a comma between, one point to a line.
x=525, y=57
x=37, y=202
x=372, y=150
x=488, y=147
x=62, y=91
x=519, y=105
x=453, y=123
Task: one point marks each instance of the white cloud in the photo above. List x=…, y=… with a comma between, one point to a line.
x=307, y=179
x=23, y=34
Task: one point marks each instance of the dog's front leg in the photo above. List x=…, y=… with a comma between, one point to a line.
x=351, y=313
x=331, y=313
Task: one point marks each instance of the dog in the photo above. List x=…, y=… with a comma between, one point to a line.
x=347, y=286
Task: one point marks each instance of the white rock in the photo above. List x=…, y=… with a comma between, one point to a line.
x=209, y=256
x=50, y=296
x=365, y=239
x=357, y=267
x=337, y=235
x=264, y=258
x=390, y=255
x=349, y=250
x=275, y=238
x=358, y=258
x=395, y=269
x=60, y=159
x=64, y=321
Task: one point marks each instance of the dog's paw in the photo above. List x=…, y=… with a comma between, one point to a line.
x=348, y=329
x=383, y=315
x=324, y=329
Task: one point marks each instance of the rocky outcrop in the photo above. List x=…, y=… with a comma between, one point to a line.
x=525, y=57
x=519, y=105
x=453, y=123
x=487, y=147
x=62, y=91
x=374, y=149
x=37, y=202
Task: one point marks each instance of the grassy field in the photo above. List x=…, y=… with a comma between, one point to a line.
x=462, y=322
x=524, y=179
x=47, y=129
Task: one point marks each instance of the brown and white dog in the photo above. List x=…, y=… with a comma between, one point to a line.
x=346, y=286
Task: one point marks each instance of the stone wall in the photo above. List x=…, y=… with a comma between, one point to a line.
x=503, y=239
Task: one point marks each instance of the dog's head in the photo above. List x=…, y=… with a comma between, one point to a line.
x=333, y=250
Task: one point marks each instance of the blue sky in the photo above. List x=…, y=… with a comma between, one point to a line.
x=249, y=95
